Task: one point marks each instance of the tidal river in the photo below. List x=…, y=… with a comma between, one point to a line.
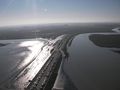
x=89, y=67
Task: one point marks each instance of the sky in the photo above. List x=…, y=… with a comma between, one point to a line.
x=18, y=12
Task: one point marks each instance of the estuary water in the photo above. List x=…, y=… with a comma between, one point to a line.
x=89, y=67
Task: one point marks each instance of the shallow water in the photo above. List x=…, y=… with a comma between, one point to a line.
x=20, y=61
x=89, y=67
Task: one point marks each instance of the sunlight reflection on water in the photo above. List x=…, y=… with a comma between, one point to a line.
x=22, y=59
x=34, y=47
x=34, y=67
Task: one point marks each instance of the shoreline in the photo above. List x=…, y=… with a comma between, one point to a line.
x=54, y=62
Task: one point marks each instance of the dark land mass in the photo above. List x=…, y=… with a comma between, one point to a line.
x=119, y=29
x=108, y=41
x=116, y=51
x=53, y=30
x=2, y=44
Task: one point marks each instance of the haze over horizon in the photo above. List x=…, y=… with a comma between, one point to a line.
x=18, y=12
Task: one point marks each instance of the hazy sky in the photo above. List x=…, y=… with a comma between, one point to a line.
x=14, y=12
